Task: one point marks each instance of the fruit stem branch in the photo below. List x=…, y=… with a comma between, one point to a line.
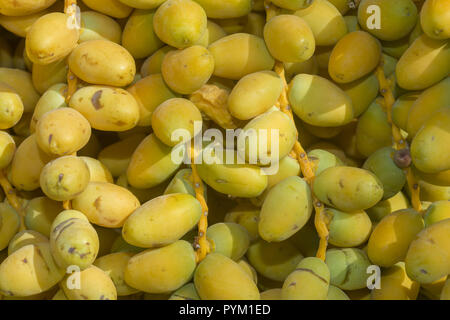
x=307, y=167
x=12, y=197
x=201, y=244
x=398, y=141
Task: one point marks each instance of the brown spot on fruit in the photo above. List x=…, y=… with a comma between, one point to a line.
x=60, y=177
x=25, y=260
x=97, y=203
x=96, y=100
x=50, y=137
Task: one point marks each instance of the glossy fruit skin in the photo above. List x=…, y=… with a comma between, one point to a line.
x=97, y=26
x=231, y=55
x=185, y=71
x=106, y=204
x=275, y=260
x=95, y=285
x=401, y=109
x=102, y=62
x=40, y=213
x=226, y=9
x=348, y=229
x=163, y=269
x=114, y=265
x=436, y=212
x=246, y=216
x=176, y=114
x=104, y=107
x=325, y=21
x=64, y=178
x=286, y=209
x=391, y=237
x=425, y=63
x=433, y=17
x=347, y=188
x=7, y=149
x=151, y=164
x=428, y=142
x=427, y=259
x=229, y=239
x=147, y=227
x=309, y=281
x=382, y=164
x=289, y=38
x=218, y=277
x=313, y=107
x=38, y=275
x=73, y=240
x=62, y=131
x=354, y=56
x=140, y=23
x=21, y=82
x=426, y=104
x=179, y=23
x=385, y=207
x=348, y=268
x=397, y=19
x=362, y=92
x=254, y=94
x=44, y=49
x=11, y=107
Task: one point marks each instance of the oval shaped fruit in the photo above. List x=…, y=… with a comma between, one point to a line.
x=309, y=281
x=426, y=151
x=267, y=138
x=348, y=268
x=102, y=62
x=387, y=20
x=162, y=220
x=289, y=38
x=275, y=260
x=106, y=108
x=220, y=278
x=239, y=180
x=153, y=63
x=11, y=107
x=239, y=54
x=7, y=149
x=40, y=213
x=97, y=171
x=28, y=271
x=401, y=109
x=391, y=237
x=325, y=21
x=254, y=94
x=149, y=93
x=229, y=239
x=347, y=188
x=426, y=104
x=373, y=130
x=362, y=92
x=180, y=23
x=21, y=82
x=73, y=240
x=428, y=256
x=308, y=101
x=382, y=164
x=425, y=63
x=62, y=131
x=64, y=178
x=161, y=270
x=114, y=265
x=187, y=70
x=97, y=26
x=138, y=36
x=226, y=9
x=175, y=116
x=9, y=224
x=151, y=164
x=353, y=57
x=95, y=284
x=25, y=174
x=437, y=211
x=106, y=204
x=113, y=8
x=348, y=229
x=434, y=17
x=323, y=160
x=286, y=209
x=50, y=38
x=246, y=216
